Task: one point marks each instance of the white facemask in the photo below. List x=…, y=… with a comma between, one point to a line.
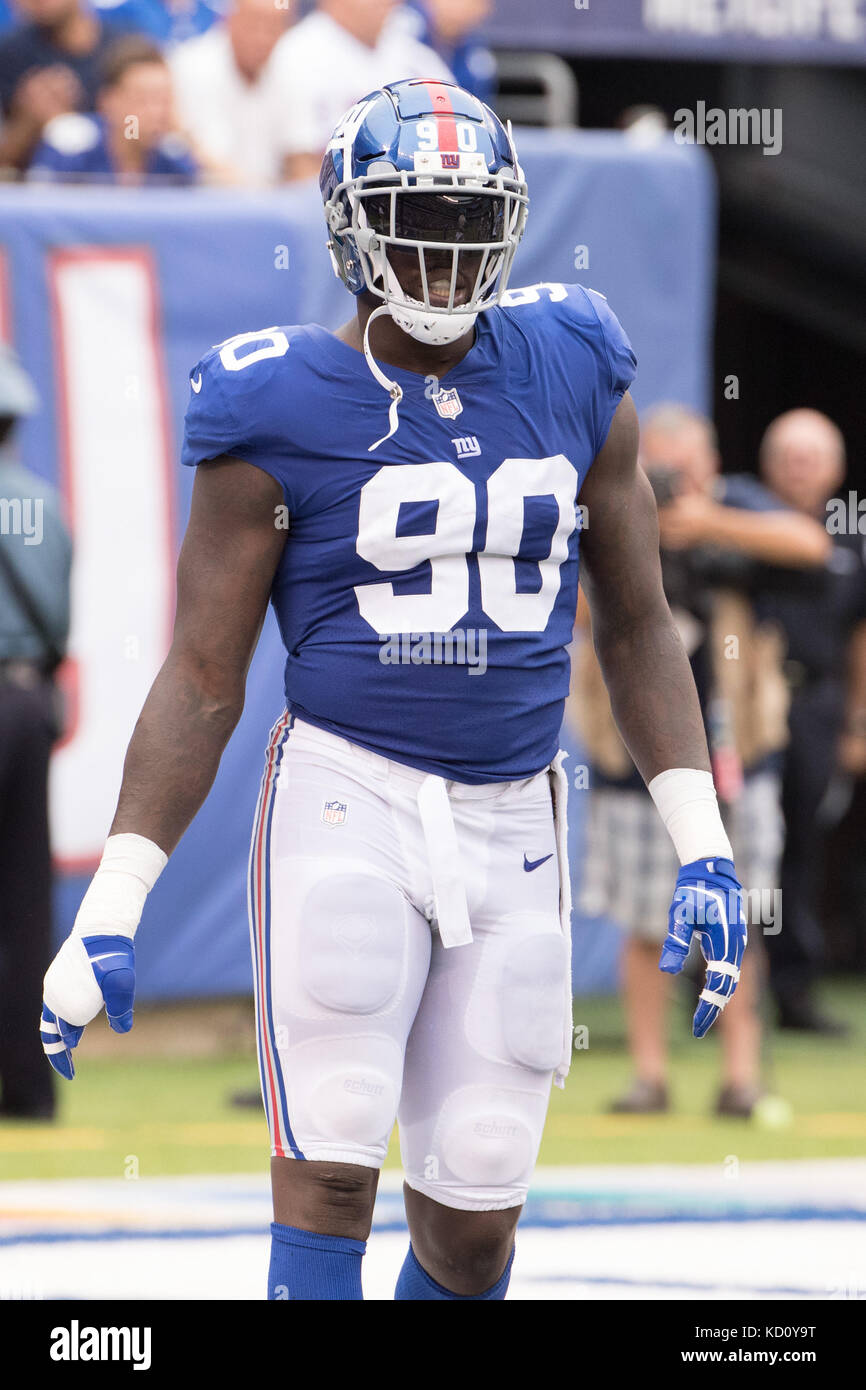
x=424, y=327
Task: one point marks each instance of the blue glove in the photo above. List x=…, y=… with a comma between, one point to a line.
x=708, y=900
x=86, y=973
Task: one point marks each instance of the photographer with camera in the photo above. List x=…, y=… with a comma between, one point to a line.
x=720, y=538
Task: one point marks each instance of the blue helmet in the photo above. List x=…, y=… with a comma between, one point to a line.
x=421, y=185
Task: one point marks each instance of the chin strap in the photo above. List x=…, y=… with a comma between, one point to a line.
x=395, y=391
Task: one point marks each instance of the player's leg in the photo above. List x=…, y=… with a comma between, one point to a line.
x=336, y=1198
x=493, y=1025
x=340, y=959
x=322, y=1218
x=456, y=1254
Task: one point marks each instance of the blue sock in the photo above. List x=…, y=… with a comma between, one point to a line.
x=415, y=1283
x=313, y=1267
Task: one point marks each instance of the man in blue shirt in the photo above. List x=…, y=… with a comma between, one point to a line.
x=49, y=65
x=133, y=138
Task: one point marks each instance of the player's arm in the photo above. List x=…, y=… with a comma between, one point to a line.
x=656, y=708
x=227, y=564
x=645, y=666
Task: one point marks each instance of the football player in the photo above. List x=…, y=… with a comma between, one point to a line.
x=408, y=888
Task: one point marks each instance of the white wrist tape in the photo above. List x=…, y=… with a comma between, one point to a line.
x=114, y=902
x=686, y=801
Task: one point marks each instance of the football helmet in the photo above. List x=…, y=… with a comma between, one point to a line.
x=425, y=204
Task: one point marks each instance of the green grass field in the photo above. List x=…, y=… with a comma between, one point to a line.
x=162, y=1117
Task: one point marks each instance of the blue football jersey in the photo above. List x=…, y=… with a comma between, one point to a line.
x=427, y=591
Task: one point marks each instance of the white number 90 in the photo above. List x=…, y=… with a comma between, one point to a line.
x=447, y=549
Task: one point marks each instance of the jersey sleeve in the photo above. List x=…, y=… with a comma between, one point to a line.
x=235, y=393
x=210, y=425
x=617, y=364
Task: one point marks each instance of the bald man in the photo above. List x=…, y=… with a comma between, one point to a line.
x=802, y=459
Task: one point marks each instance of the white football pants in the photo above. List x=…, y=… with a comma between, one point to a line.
x=411, y=952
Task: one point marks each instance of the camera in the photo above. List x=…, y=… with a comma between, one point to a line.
x=666, y=483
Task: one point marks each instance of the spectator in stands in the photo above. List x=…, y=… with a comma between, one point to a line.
x=451, y=27
x=133, y=139
x=35, y=558
x=717, y=535
x=167, y=22
x=341, y=51
x=48, y=66
x=226, y=98
x=802, y=458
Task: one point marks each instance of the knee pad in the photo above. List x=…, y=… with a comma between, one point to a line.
x=533, y=1000
x=484, y=1141
x=353, y=942
x=347, y=1090
x=356, y=1105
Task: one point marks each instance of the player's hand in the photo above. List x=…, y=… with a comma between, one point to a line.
x=86, y=973
x=708, y=902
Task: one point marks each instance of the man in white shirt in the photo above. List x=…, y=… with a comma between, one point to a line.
x=224, y=96
x=341, y=51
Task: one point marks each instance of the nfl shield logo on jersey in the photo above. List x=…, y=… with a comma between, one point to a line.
x=334, y=812
x=448, y=404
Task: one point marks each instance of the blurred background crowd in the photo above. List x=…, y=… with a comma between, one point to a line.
x=769, y=593
x=182, y=90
